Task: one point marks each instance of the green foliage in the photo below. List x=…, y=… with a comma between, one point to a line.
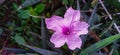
x=39, y=8
x=115, y=52
x=25, y=14
x=114, y=3
x=60, y=11
x=32, y=11
x=36, y=20
x=97, y=46
x=65, y=2
x=23, y=23
x=15, y=6
x=35, y=13
x=71, y=2
x=19, y=39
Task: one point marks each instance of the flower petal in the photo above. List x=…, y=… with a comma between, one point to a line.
x=74, y=42
x=53, y=22
x=58, y=39
x=80, y=28
x=72, y=15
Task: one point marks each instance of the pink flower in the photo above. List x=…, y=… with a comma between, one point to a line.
x=67, y=29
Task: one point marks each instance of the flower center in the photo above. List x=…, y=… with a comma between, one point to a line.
x=66, y=31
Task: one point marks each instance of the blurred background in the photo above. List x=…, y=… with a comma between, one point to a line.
x=23, y=30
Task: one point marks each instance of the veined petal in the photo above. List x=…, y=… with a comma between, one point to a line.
x=80, y=28
x=53, y=22
x=72, y=15
x=58, y=39
x=74, y=42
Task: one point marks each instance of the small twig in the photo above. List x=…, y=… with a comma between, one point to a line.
x=106, y=30
x=37, y=16
x=85, y=10
x=66, y=7
x=109, y=15
x=111, y=51
x=2, y=1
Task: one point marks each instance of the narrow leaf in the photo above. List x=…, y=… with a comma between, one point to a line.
x=15, y=50
x=28, y=3
x=93, y=16
x=42, y=51
x=44, y=43
x=97, y=46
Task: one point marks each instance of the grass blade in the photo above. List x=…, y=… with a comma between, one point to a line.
x=97, y=46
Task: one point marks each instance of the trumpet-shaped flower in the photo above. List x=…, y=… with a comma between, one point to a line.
x=67, y=29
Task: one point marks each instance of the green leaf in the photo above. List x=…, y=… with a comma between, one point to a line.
x=25, y=14
x=19, y=29
x=65, y=1
x=19, y=39
x=99, y=45
x=23, y=23
x=36, y=20
x=32, y=12
x=39, y=8
x=94, y=2
x=15, y=6
x=71, y=2
x=87, y=5
x=60, y=11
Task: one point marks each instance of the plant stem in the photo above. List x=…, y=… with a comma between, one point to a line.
x=109, y=15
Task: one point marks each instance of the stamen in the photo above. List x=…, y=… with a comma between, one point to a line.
x=66, y=31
